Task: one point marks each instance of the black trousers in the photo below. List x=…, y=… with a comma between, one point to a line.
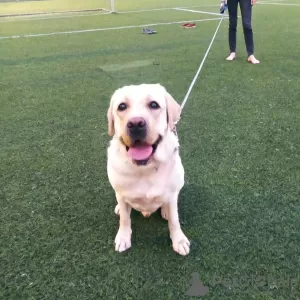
x=246, y=12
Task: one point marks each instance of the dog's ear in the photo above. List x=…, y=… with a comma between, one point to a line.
x=173, y=110
x=110, y=119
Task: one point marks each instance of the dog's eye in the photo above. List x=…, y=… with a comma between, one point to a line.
x=122, y=107
x=154, y=105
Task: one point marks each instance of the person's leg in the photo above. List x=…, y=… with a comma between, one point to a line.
x=232, y=11
x=246, y=11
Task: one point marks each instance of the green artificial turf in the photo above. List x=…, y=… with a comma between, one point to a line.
x=239, y=137
x=14, y=7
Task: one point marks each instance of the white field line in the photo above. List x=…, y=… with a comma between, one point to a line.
x=283, y=4
x=51, y=16
x=104, y=12
x=164, y=8
x=102, y=29
x=198, y=11
x=266, y=1
x=77, y=14
x=52, y=13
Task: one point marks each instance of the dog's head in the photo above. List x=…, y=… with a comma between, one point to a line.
x=140, y=116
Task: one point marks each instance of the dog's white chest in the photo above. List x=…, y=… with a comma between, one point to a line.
x=146, y=188
x=144, y=194
x=146, y=204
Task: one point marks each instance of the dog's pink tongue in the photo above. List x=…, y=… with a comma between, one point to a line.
x=140, y=152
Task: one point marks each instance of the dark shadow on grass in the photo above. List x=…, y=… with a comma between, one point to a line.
x=193, y=200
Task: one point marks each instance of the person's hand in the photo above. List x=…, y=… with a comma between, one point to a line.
x=223, y=6
x=253, y=2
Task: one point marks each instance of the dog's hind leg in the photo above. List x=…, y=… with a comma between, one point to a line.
x=117, y=210
x=164, y=212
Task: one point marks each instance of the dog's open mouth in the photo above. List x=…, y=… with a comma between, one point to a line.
x=141, y=152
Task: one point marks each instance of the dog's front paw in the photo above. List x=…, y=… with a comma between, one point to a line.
x=180, y=243
x=123, y=240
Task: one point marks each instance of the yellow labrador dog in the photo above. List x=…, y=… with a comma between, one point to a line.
x=143, y=165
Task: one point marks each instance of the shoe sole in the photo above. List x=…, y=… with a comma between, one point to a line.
x=189, y=26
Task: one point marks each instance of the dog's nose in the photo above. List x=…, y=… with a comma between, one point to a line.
x=136, y=123
x=137, y=128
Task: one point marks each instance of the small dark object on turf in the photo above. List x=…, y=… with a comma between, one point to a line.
x=149, y=31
